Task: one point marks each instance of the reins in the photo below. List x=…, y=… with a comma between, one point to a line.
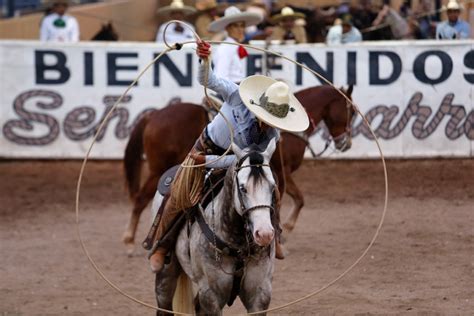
x=178, y=46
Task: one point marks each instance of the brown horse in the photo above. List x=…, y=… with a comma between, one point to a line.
x=165, y=136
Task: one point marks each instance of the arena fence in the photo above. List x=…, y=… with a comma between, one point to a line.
x=417, y=94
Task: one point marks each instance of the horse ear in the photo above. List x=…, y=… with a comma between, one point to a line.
x=270, y=148
x=349, y=90
x=237, y=151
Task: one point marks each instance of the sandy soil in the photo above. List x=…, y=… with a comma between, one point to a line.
x=422, y=263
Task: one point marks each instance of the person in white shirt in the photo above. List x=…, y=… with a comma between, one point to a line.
x=58, y=26
x=175, y=33
x=344, y=32
x=454, y=27
x=229, y=60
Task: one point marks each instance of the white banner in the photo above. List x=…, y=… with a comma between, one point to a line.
x=417, y=95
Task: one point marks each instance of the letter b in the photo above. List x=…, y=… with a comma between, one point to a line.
x=59, y=67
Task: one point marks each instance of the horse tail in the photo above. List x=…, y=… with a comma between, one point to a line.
x=133, y=157
x=183, y=295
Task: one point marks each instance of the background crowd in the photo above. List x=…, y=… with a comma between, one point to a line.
x=343, y=22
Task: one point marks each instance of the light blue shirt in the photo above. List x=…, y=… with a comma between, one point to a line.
x=243, y=122
x=459, y=30
x=335, y=35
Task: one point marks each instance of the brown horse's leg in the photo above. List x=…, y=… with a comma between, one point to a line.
x=141, y=201
x=298, y=203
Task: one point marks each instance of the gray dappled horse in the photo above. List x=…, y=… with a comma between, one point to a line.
x=239, y=259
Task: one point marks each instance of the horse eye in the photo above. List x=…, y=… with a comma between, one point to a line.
x=242, y=188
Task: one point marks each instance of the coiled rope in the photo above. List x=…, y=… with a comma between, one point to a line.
x=178, y=46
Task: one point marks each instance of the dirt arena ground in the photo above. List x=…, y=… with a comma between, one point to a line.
x=422, y=263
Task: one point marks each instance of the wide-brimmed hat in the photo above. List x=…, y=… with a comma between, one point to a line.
x=453, y=5
x=287, y=12
x=203, y=5
x=272, y=102
x=176, y=5
x=233, y=15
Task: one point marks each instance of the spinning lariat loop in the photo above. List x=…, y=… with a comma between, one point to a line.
x=178, y=46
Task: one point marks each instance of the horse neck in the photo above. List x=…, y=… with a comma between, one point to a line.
x=317, y=108
x=228, y=224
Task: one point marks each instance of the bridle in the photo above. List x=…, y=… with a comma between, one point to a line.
x=346, y=136
x=245, y=210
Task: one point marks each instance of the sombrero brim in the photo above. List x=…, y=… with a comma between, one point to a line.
x=168, y=9
x=253, y=87
x=247, y=17
x=279, y=17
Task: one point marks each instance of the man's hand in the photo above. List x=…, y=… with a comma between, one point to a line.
x=203, y=50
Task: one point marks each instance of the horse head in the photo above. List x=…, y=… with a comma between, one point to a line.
x=106, y=33
x=339, y=120
x=253, y=189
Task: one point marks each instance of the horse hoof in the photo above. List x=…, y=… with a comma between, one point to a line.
x=130, y=250
x=127, y=238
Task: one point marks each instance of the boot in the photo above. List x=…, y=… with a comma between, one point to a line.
x=157, y=260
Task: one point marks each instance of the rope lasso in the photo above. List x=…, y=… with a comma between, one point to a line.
x=106, y=118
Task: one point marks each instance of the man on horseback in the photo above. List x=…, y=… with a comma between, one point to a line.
x=256, y=112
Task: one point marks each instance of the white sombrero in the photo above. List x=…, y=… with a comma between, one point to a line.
x=176, y=5
x=287, y=12
x=233, y=15
x=272, y=102
x=453, y=5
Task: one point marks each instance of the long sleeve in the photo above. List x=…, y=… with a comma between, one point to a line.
x=44, y=31
x=222, y=163
x=74, y=35
x=465, y=31
x=334, y=35
x=222, y=86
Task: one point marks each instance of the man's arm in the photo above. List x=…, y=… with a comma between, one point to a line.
x=220, y=85
x=44, y=30
x=74, y=35
x=223, y=163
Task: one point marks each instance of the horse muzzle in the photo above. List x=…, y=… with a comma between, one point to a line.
x=263, y=237
x=343, y=142
x=261, y=227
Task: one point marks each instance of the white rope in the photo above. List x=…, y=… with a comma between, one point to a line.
x=106, y=118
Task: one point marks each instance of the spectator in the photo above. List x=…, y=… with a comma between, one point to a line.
x=454, y=27
x=398, y=25
x=58, y=26
x=229, y=59
x=207, y=12
x=263, y=29
x=176, y=32
x=344, y=32
x=287, y=28
x=363, y=15
x=425, y=23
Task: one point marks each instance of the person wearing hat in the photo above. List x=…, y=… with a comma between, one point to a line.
x=257, y=110
x=454, y=27
x=287, y=29
x=58, y=26
x=175, y=33
x=207, y=12
x=343, y=32
x=229, y=60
